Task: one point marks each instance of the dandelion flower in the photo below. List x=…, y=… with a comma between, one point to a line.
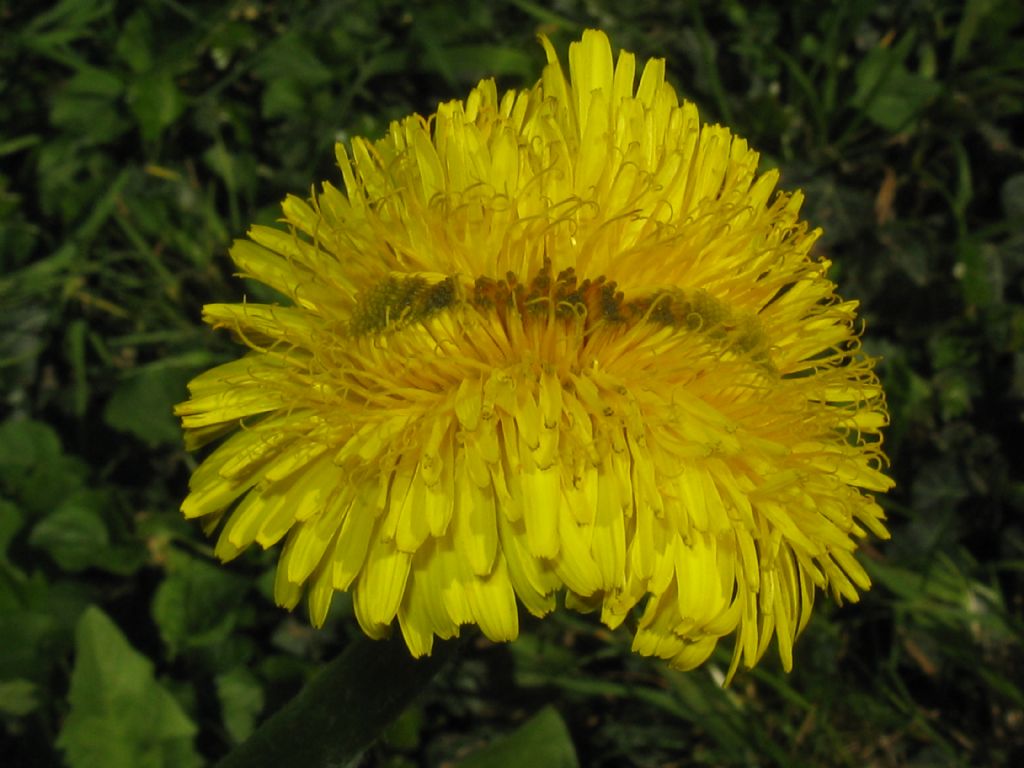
x=561, y=341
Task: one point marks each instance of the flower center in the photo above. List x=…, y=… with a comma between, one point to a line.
x=398, y=302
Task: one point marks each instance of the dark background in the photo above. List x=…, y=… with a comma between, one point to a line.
x=137, y=139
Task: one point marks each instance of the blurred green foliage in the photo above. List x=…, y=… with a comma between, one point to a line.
x=119, y=713
x=137, y=139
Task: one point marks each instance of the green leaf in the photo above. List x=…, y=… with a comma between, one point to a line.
x=344, y=708
x=18, y=233
x=406, y=731
x=1012, y=198
x=75, y=535
x=981, y=274
x=28, y=631
x=196, y=605
x=241, y=700
x=973, y=14
x=33, y=468
x=135, y=45
x=237, y=171
x=888, y=94
x=468, y=62
x=95, y=82
x=24, y=443
x=282, y=97
x=11, y=521
x=17, y=697
x=543, y=741
x=156, y=102
x=142, y=404
x=88, y=106
x=120, y=716
x=289, y=57
x=65, y=22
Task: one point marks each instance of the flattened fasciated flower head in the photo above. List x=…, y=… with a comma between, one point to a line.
x=565, y=340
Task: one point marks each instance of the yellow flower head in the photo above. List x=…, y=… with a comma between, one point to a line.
x=565, y=340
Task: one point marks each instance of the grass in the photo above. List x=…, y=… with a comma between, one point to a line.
x=137, y=140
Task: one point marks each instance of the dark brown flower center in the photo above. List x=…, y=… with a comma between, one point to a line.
x=396, y=302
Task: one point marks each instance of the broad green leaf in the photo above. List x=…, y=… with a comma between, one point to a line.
x=343, y=709
x=11, y=521
x=96, y=82
x=282, y=97
x=196, y=604
x=30, y=633
x=229, y=38
x=406, y=731
x=64, y=22
x=17, y=697
x=142, y=404
x=27, y=637
x=474, y=61
x=543, y=741
x=24, y=443
x=890, y=95
x=120, y=716
x=974, y=12
x=18, y=233
x=155, y=101
x=241, y=700
x=1012, y=197
x=237, y=171
x=33, y=469
x=74, y=535
x=135, y=44
x=289, y=56
x=981, y=273
x=88, y=106
x=901, y=98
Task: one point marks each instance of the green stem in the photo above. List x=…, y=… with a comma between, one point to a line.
x=343, y=709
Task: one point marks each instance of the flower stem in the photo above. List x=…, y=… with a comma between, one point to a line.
x=343, y=709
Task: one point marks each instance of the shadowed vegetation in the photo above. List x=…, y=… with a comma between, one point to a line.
x=138, y=139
